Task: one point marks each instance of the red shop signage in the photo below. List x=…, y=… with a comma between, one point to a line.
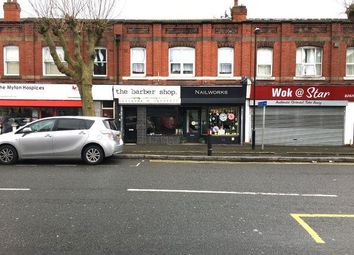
x=297, y=92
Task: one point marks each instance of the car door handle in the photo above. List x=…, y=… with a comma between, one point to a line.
x=82, y=133
x=48, y=135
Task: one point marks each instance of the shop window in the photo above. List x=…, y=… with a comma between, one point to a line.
x=68, y=111
x=264, y=62
x=162, y=121
x=107, y=109
x=309, y=62
x=225, y=61
x=11, y=60
x=100, y=63
x=224, y=120
x=138, y=61
x=181, y=61
x=49, y=67
x=350, y=62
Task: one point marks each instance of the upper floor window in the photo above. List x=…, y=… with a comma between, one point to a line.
x=181, y=61
x=225, y=61
x=350, y=62
x=11, y=60
x=138, y=61
x=264, y=62
x=100, y=63
x=308, y=61
x=49, y=67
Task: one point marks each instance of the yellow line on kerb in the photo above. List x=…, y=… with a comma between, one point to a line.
x=313, y=233
x=244, y=163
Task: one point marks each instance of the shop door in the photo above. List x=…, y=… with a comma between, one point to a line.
x=129, y=121
x=192, y=125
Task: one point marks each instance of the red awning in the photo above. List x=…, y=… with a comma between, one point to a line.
x=43, y=103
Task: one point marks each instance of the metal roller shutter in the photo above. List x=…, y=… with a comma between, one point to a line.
x=301, y=125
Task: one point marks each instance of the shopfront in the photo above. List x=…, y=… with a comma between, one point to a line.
x=22, y=103
x=151, y=114
x=214, y=110
x=305, y=115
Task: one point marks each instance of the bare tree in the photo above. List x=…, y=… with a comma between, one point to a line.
x=349, y=9
x=77, y=26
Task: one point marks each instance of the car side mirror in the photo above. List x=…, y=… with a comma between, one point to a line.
x=26, y=131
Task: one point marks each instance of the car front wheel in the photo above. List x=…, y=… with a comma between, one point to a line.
x=8, y=155
x=93, y=155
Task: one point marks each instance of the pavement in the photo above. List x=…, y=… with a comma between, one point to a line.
x=241, y=153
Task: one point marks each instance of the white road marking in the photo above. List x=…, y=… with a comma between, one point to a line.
x=14, y=189
x=138, y=164
x=66, y=165
x=230, y=192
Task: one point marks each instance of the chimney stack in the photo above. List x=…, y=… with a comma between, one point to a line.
x=12, y=10
x=238, y=12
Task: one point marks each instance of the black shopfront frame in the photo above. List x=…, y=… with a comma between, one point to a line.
x=211, y=97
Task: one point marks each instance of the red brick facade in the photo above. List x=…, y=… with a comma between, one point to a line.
x=205, y=36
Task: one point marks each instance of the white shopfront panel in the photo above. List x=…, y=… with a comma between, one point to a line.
x=349, y=124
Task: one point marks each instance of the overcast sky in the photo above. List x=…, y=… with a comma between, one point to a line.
x=208, y=9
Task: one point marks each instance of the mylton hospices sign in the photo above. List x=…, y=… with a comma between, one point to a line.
x=212, y=95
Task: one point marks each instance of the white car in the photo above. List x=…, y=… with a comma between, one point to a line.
x=67, y=137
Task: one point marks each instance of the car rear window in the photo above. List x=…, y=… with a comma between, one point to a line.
x=110, y=124
x=89, y=123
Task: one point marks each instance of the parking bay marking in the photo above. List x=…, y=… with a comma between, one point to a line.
x=311, y=231
x=231, y=192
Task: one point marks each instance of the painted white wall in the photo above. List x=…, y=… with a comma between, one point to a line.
x=349, y=124
x=248, y=117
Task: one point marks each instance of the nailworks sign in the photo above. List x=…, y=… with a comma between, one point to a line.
x=222, y=94
x=151, y=95
x=39, y=92
x=305, y=95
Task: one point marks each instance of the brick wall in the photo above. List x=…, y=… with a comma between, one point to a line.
x=205, y=36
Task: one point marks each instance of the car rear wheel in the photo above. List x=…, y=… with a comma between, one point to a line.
x=93, y=154
x=8, y=155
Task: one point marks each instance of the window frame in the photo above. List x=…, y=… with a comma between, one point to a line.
x=315, y=63
x=348, y=63
x=132, y=62
x=182, y=63
x=259, y=51
x=6, y=61
x=44, y=61
x=103, y=61
x=231, y=74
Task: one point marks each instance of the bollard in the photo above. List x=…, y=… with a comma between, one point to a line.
x=210, y=147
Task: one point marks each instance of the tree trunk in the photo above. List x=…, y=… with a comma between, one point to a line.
x=85, y=88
